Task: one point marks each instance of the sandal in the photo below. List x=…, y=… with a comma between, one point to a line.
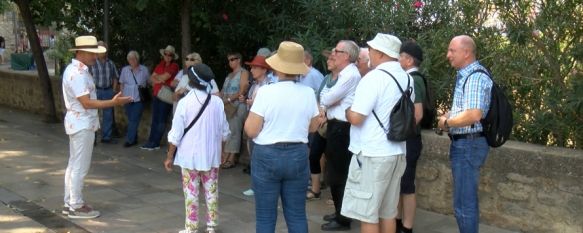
x=210, y=230
x=227, y=165
x=311, y=195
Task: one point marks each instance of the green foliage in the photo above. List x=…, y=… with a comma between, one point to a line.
x=534, y=48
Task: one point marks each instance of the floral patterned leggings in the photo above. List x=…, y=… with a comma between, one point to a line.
x=191, y=180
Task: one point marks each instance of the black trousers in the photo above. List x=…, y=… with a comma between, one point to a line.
x=337, y=163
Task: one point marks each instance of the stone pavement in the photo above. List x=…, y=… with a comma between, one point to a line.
x=128, y=185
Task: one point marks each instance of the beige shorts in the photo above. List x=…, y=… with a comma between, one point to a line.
x=372, y=187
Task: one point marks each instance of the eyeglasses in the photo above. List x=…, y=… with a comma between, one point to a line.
x=168, y=54
x=190, y=59
x=233, y=59
x=338, y=51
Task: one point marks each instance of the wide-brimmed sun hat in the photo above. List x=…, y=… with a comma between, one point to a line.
x=88, y=44
x=387, y=44
x=288, y=59
x=258, y=60
x=169, y=49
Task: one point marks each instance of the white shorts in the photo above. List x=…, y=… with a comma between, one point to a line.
x=373, y=187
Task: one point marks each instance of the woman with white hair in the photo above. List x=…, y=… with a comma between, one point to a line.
x=194, y=143
x=279, y=121
x=132, y=77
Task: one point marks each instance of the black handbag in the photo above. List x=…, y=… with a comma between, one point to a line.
x=142, y=90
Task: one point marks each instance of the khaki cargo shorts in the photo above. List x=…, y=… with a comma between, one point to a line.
x=373, y=187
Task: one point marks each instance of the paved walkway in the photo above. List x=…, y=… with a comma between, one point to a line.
x=129, y=186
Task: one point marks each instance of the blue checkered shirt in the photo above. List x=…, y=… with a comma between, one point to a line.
x=104, y=73
x=475, y=95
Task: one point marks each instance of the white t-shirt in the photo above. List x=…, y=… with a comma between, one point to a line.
x=378, y=91
x=287, y=109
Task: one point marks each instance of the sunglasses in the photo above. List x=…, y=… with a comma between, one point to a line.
x=233, y=59
x=168, y=54
x=190, y=59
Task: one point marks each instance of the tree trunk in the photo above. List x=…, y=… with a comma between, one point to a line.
x=185, y=27
x=41, y=65
x=106, y=22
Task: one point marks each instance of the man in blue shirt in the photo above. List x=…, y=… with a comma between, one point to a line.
x=314, y=77
x=469, y=148
x=106, y=79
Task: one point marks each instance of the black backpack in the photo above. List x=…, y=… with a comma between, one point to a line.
x=402, y=118
x=497, y=125
x=429, y=110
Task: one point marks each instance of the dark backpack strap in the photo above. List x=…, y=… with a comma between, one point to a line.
x=400, y=88
x=476, y=71
x=206, y=102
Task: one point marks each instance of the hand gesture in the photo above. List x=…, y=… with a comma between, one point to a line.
x=118, y=99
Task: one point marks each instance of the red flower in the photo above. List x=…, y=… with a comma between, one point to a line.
x=418, y=4
x=225, y=17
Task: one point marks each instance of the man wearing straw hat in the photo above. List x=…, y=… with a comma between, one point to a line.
x=374, y=178
x=81, y=122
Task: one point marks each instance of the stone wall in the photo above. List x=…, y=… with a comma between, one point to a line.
x=21, y=90
x=524, y=187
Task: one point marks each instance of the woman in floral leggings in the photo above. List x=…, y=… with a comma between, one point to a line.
x=198, y=151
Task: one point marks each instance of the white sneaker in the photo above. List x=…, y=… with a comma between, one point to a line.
x=248, y=192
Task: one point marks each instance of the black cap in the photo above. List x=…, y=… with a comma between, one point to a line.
x=201, y=70
x=412, y=48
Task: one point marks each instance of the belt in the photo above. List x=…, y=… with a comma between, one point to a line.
x=103, y=88
x=287, y=143
x=454, y=137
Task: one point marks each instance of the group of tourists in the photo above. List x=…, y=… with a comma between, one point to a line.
x=295, y=123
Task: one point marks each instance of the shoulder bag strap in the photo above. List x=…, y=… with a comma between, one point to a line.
x=206, y=102
x=133, y=75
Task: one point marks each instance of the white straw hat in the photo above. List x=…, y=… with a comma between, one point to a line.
x=88, y=44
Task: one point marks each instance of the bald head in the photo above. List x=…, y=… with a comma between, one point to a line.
x=461, y=51
x=466, y=42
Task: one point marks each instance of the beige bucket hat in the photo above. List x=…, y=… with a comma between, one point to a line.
x=387, y=44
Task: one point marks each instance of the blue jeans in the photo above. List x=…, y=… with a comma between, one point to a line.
x=466, y=158
x=280, y=170
x=107, y=120
x=134, y=113
x=160, y=112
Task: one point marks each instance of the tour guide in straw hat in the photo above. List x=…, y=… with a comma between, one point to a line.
x=81, y=122
x=279, y=127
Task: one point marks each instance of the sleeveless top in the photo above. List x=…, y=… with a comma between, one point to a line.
x=231, y=85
